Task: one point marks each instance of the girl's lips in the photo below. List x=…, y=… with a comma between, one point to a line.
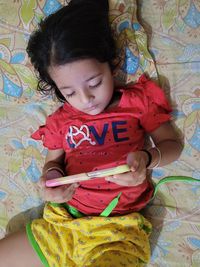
x=91, y=108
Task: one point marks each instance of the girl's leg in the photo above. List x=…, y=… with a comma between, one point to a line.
x=16, y=251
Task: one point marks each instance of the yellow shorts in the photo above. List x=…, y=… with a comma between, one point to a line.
x=91, y=241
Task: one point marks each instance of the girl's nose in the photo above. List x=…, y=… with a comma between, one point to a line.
x=86, y=97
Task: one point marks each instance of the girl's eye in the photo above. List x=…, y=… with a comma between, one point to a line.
x=96, y=85
x=70, y=95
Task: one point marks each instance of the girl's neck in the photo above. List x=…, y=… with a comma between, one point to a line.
x=115, y=99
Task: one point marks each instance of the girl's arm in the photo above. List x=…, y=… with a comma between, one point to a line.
x=166, y=140
x=168, y=149
x=54, y=163
x=54, y=168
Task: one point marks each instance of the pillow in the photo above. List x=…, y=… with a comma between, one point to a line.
x=133, y=57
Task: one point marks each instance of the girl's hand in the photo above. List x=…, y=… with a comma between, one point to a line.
x=137, y=162
x=58, y=194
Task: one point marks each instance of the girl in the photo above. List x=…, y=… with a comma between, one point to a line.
x=97, y=127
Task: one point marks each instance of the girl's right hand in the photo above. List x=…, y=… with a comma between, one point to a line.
x=58, y=194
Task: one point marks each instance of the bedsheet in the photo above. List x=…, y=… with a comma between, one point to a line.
x=173, y=31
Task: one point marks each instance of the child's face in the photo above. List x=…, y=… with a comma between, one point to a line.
x=87, y=84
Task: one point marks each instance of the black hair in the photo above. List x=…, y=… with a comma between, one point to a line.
x=80, y=30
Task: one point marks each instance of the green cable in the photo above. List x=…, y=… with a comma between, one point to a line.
x=169, y=179
x=107, y=211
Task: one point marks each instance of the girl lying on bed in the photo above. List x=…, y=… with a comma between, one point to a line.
x=97, y=127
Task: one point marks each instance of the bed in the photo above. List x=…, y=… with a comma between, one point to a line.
x=158, y=37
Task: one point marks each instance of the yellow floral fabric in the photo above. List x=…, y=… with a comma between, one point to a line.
x=91, y=241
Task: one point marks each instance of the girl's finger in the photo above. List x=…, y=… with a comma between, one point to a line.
x=59, y=194
x=133, y=161
x=128, y=179
x=124, y=179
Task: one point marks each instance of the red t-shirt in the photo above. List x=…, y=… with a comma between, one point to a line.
x=103, y=141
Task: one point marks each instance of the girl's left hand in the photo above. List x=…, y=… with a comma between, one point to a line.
x=137, y=162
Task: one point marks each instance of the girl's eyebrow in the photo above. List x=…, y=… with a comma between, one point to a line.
x=87, y=80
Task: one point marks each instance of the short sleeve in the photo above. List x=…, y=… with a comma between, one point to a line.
x=157, y=109
x=150, y=102
x=50, y=133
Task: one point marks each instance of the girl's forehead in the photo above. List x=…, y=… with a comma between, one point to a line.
x=82, y=68
x=80, y=71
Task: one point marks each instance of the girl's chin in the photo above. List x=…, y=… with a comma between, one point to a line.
x=95, y=110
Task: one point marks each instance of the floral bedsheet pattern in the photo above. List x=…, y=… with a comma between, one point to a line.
x=173, y=30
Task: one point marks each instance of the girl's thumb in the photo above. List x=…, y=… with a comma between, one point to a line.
x=132, y=161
